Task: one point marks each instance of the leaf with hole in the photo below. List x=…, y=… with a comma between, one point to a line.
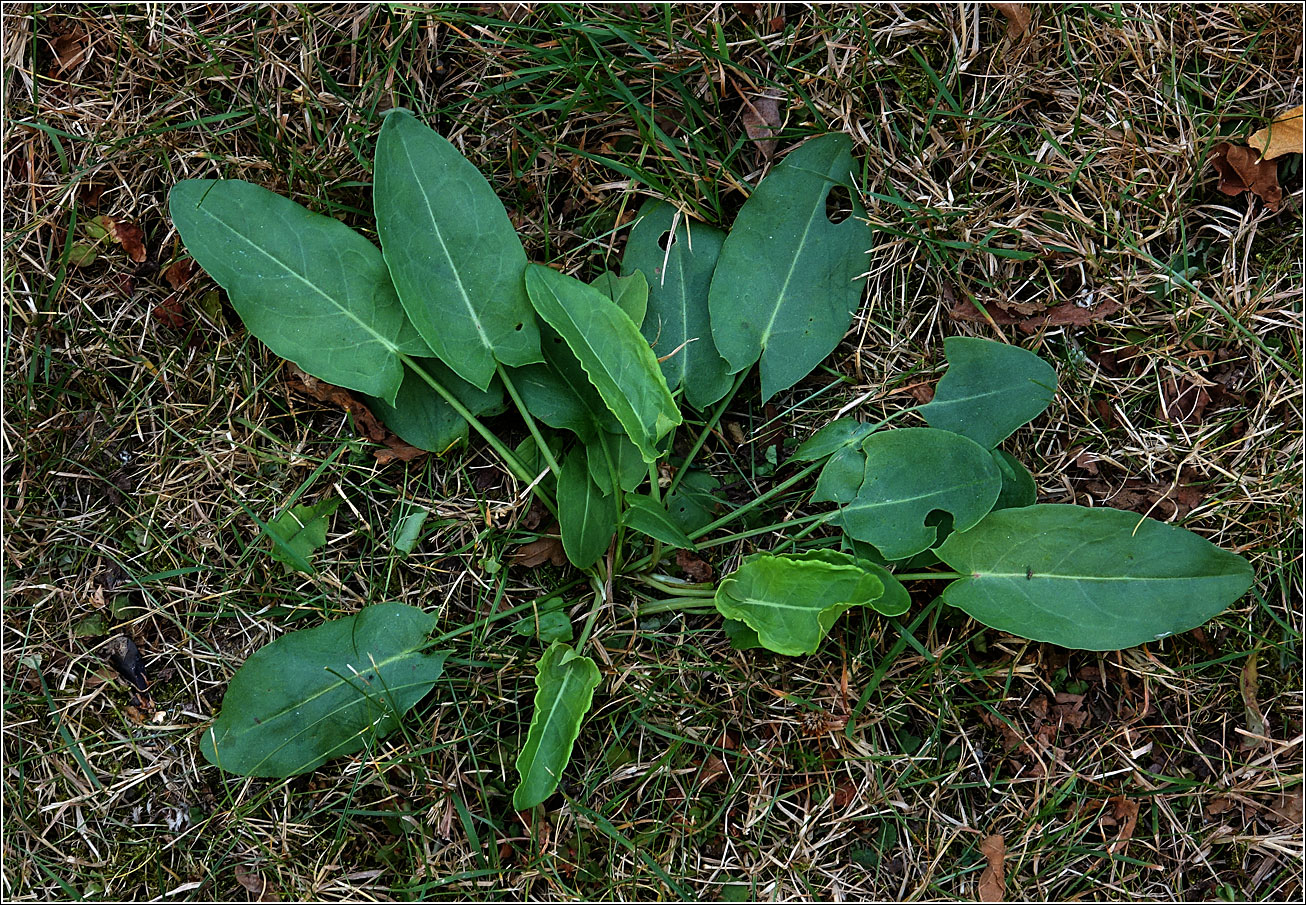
x=990, y=389
x=309, y=287
x=910, y=472
x=324, y=692
x=1093, y=579
x=456, y=260
x=586, y=516
x=298, y=532
x=792, y=601
x=615, y=357
x=564, y=689
x=694, y=504
x=678, y=267
x=789, y=280
x=421, y=417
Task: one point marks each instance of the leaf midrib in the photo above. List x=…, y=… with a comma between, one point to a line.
x=536, y=761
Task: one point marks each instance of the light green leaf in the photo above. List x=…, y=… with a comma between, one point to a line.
x=1018, y=487
x=647, y=516
x=1094, y=579
x=324, y=692
x=313, y=290
x=565, y=683
x=788, y=280
x=548, y=623
x=456, y=260
x=612, y=352
x=910, y=472
x=791, y=602
x=990, y=389
x=422, y=418
x=629, y=292
x=407, y=528
x=894, y=602
x=587, y=518
x=298, y=532
x=677, y=324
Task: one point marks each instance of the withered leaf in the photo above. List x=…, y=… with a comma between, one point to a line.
x=1249, y=685
x=1155, y=499
x=1125, y=813
x=397, y=450
x=1018, y=17
x=258, y=886
x=538, y=552
x=761, y=118
x=992, y=882
x=1067, y=314
x=127, y=234
x=1283, y=136
x=1287, y=808
x=322, y=391
x=713, y=769
x=179, y=273
x=1182, y=401
x=69, y=50
x=696, y=569
x=126, y=659
x=1069, y=710
x=1242, y=170
x=171, y=312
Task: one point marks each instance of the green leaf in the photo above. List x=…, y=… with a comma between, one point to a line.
x=324, y=692
x=297, y=532
x=788, y=280
x=565, y=683
x=741, y=636
x=1095, y=579
x=615, y=356
x=407, y=528
x=625, y=457
x=910, y=472
x=456, y=260
x=693, y=506
x=839, y=434
x=841, y=476
x=647, y=516
x=548, y=623
x=894, y=602
x=422, y=418
x=629, y=292
x=1018, y=487
x=313, y=290
x=990, y=389
x=677, y=324
x=587, y=518
x=791, y=601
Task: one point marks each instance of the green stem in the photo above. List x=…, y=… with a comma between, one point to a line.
x=758, y=501
x=530, y=422
x=744, y=535
x=927, y=576
x=707, y=430
x=509, y=458
x=680, y=589
x=674, y=605
x=600, y=597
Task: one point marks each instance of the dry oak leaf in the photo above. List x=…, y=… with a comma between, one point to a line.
x=992, y=882
x=1125, y=814
x=258, y=886
x=1018, y=17
x=180, y=272
x=322, y=391
x=1283, y=136
x=696, y=569
x=1240, y=171
x=538, y=552
x=761, y=118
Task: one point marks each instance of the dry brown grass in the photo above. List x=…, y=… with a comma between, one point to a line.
x=136, y=452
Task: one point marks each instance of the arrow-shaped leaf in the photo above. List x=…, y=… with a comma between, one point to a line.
x=990, y=389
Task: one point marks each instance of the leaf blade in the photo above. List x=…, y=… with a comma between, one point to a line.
x=586, y=516
x=989, y=390
x=565, y=683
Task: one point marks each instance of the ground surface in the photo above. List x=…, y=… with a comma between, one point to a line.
x=145, y=430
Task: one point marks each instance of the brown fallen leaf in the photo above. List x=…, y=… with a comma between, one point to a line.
x=1182, y=401
x=1068, y=314
x=696, y=569
x=310, y=386
x=1018, y=16
x=1241, y=170
x=397, y=450
x=845, y=794
x=1156, y=500
x=1125, y=814
x=1283, y=136
x=538, y=552
x=992, y=882
x=69, y=50
x=259, y=887
x=1069, y=710
x=180, y=272
x=762, y=120
x=125, y=233
x=714, y=768
x=1287, y=808
x=171, y=312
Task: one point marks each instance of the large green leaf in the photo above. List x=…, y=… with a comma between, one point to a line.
x=587, y=518
x=456, y=260
x=841, y=476
x=990, y=389
x=612, y=352
x=789, y=280
x=677, y=322
x=313, y=290
x=564, y=683
x=792, y=601
x=648, y=516
x=324, y=692
x=629, y=292
x=422, y=418
x=910, y=472
x=694, y=504
x=1096, y=579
